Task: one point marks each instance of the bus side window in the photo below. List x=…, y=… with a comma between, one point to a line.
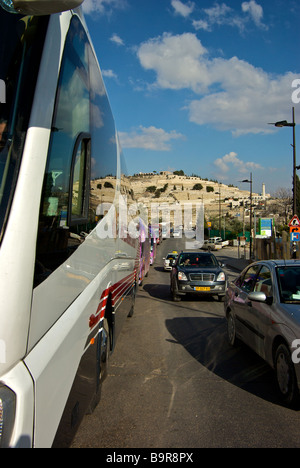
x=80, y=179
x=81, y=169
x=64, y=200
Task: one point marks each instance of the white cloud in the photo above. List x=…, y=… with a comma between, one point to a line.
x=225, y=164
x=230, y=94
x=230, y=166
x=150, y=138
x=221, y=14
x=255, y=11
x=102, y=6
x=109, y=74
x=201, y=24
x=176, y=61
x=183, y=9
x=117, y=40
x=217, y=13
x=250, y=98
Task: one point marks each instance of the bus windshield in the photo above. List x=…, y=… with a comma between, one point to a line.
x=21, y=41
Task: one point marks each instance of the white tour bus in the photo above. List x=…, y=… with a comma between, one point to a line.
x=67, y=278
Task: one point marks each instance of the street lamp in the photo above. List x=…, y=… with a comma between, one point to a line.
x=284, y=123
x=250, y=182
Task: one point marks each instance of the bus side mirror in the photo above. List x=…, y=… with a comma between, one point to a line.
x=39, y=7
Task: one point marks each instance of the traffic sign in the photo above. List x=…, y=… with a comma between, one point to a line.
x=295, y=236
x=294, y=221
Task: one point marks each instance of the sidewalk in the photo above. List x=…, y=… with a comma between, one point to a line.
x=229, y=256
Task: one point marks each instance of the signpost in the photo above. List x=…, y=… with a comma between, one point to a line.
x=265, y=226
x=294, y=226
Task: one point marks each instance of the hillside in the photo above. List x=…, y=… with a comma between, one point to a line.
x=171, y=188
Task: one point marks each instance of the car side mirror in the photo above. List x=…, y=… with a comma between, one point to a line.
x=258, y=296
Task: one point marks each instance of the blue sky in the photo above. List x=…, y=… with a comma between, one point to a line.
x=193, y=85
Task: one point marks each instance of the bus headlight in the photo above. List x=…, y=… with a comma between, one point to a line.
x=7, y=415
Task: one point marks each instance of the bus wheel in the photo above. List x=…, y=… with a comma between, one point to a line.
x=105, y=349
x=103, y=354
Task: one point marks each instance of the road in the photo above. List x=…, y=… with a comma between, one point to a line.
x=174, y=381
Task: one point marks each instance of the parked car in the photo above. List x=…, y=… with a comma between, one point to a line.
x=214, y=243
x=169, y=260
x=197, y=273
x=211, y=245
x=262, y=307
x=177, y=232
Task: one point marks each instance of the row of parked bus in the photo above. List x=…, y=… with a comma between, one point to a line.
x=150, y=237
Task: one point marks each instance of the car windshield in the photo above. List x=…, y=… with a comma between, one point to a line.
x=196, y=260
x=171, y=256
x=289, y=283
x=21, y=40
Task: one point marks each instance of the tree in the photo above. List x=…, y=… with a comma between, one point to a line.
x=285, y=201
x=180, y=173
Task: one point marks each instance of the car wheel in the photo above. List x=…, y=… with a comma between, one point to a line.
x=231, y=329
x=286, y=376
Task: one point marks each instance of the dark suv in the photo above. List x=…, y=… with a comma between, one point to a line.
x=197, y=273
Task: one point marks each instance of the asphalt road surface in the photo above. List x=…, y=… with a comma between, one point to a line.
x=174, y=382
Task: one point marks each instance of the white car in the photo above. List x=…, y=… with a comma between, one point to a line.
x=177, y=233
x=169, y=260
